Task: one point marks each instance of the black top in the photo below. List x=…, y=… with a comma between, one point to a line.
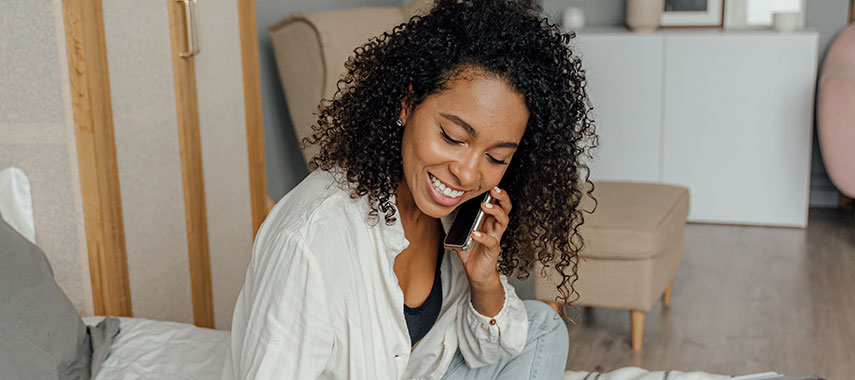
x=421, y=319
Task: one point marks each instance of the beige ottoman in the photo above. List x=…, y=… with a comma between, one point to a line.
x=633, y=247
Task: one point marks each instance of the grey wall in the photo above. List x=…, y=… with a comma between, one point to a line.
x=285, y=166
x=827, y=17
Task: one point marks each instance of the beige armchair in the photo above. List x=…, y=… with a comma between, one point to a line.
x=311, y=48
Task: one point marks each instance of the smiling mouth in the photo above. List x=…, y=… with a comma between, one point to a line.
x=444, y=189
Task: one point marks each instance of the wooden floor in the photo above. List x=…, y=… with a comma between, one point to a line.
x=746, y=299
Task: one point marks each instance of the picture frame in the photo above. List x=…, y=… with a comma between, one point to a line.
x=758, y=14
x=692, y=14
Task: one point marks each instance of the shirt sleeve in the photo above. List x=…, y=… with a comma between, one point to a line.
x=484, y=340
x=281, y=329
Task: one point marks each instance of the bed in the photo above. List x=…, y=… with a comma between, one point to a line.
x=42, y=335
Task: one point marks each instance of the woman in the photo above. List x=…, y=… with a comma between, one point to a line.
x=475, y=96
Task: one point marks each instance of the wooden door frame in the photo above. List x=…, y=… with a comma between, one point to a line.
x=191, y=149
x=96, y=156
x=261, y=203
x=192, y=173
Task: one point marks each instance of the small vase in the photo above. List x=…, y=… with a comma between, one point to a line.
x=642, y=16
x=574, y=19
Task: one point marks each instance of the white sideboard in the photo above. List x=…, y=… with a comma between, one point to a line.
x=727, y=114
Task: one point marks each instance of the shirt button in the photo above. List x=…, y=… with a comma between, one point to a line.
x=492, y=322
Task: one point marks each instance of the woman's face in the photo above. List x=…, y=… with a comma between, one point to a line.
x=463, y=137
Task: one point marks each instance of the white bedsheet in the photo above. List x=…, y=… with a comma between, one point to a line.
x=148, y=349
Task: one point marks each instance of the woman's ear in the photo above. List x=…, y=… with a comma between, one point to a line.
x=407, y=105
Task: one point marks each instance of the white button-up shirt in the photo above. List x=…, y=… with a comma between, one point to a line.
x=321, y=299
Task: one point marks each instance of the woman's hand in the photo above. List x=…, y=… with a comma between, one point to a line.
x=481, y=260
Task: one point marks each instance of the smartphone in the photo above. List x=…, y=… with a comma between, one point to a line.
x=469, y=218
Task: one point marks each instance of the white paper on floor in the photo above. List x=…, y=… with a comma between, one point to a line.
x=635, y=373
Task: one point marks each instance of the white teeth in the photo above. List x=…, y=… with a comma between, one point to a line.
x=444, y=190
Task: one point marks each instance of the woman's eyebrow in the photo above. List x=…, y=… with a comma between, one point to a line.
x=473, y=132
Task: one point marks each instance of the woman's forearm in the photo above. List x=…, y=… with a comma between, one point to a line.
x=488, y=298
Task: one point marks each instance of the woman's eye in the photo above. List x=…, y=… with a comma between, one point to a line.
x=448, y=138
x=455, y=142
x=495, y=161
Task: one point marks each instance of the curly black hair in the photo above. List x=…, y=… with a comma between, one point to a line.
x=356, y=130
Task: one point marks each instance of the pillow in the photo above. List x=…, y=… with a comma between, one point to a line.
x=16, y=204
x=41, y=334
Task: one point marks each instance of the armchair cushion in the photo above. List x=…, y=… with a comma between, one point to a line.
x=633, y=220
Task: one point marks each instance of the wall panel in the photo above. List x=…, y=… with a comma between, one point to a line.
x=222, y=124
x=146, y=129
x=37, y=136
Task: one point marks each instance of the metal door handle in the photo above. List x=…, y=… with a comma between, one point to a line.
x=191, y=24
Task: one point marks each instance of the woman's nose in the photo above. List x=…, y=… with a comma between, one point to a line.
x=466, y=171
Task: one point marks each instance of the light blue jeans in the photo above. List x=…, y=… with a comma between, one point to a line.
x=543, y=357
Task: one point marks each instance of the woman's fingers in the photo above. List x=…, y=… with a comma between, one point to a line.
x=499, y=209
x=502, y=199
x=497, y=212
x=488, y=240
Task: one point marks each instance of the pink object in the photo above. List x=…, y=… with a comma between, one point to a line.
x=836, y=111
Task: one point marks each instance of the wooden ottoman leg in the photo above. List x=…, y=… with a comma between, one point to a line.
x=636, y=320
x=666, y=296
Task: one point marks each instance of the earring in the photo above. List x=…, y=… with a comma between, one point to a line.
x=400, y=123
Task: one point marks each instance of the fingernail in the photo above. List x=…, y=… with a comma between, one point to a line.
x=498, y=190
x=476, y=233
x=488, y=204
